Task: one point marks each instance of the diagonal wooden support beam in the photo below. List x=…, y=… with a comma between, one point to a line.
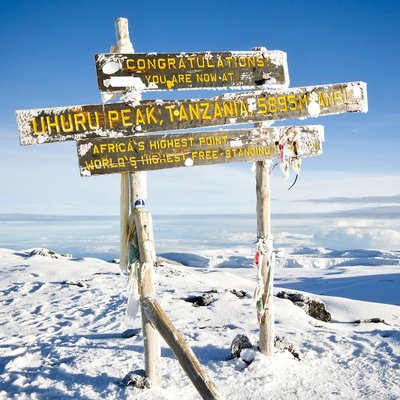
x=175, y=340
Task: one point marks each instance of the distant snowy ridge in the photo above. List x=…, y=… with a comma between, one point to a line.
x=305, y=257
x=323, y=258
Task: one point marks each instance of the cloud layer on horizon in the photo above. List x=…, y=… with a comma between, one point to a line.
x=341, y=238
x=358, y=200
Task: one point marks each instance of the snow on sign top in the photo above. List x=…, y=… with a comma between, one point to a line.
x=172, y=71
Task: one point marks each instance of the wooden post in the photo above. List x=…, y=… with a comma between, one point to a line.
x=134, y=187
x=123, y=45
x=152, y=350
x=181, y=349
x=264, y=233
x=266, y=319
x=124, y=220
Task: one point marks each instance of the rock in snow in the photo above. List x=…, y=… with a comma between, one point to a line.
x=48, y=253
x=313, y=307
x=282, y=343
x=128, y=333
x=239, y=293
x=203, y=300
x=248, y=355
x=239, y=343
x=137, y=379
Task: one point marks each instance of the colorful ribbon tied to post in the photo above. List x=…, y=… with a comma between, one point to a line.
x=288, y=157
x=264, y=251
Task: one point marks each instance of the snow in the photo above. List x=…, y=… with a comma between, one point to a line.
x=188, y=162
x=62, y=320
x=314, y=109
x=111, y=67
x=121, y=81
x=84, y=148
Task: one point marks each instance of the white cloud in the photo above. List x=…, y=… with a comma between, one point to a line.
x=292, y=239
x=359, y=237
x=361, y=200
x=244, y=237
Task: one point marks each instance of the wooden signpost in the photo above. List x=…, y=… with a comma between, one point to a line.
x=153, y=152
x=112, y=138
x=119, y=119
x=160, y=71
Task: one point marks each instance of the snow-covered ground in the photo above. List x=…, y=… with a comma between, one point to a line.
x=62, y=319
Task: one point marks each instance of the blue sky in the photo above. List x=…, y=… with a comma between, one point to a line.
x=47, y=61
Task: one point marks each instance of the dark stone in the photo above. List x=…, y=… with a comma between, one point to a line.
x=318, y=311
x=281, y=343
x=73, y=283
x=239, y=293
x=203, y=300
x=292, y=296
x=370, y=321
x=314, y=308
x=137, y=379
x=130, y=333
x=48, y=253
x=239, y=343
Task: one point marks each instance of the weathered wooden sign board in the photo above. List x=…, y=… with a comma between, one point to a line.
x=165, y=71
x=122, y=119
x=153, y=152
